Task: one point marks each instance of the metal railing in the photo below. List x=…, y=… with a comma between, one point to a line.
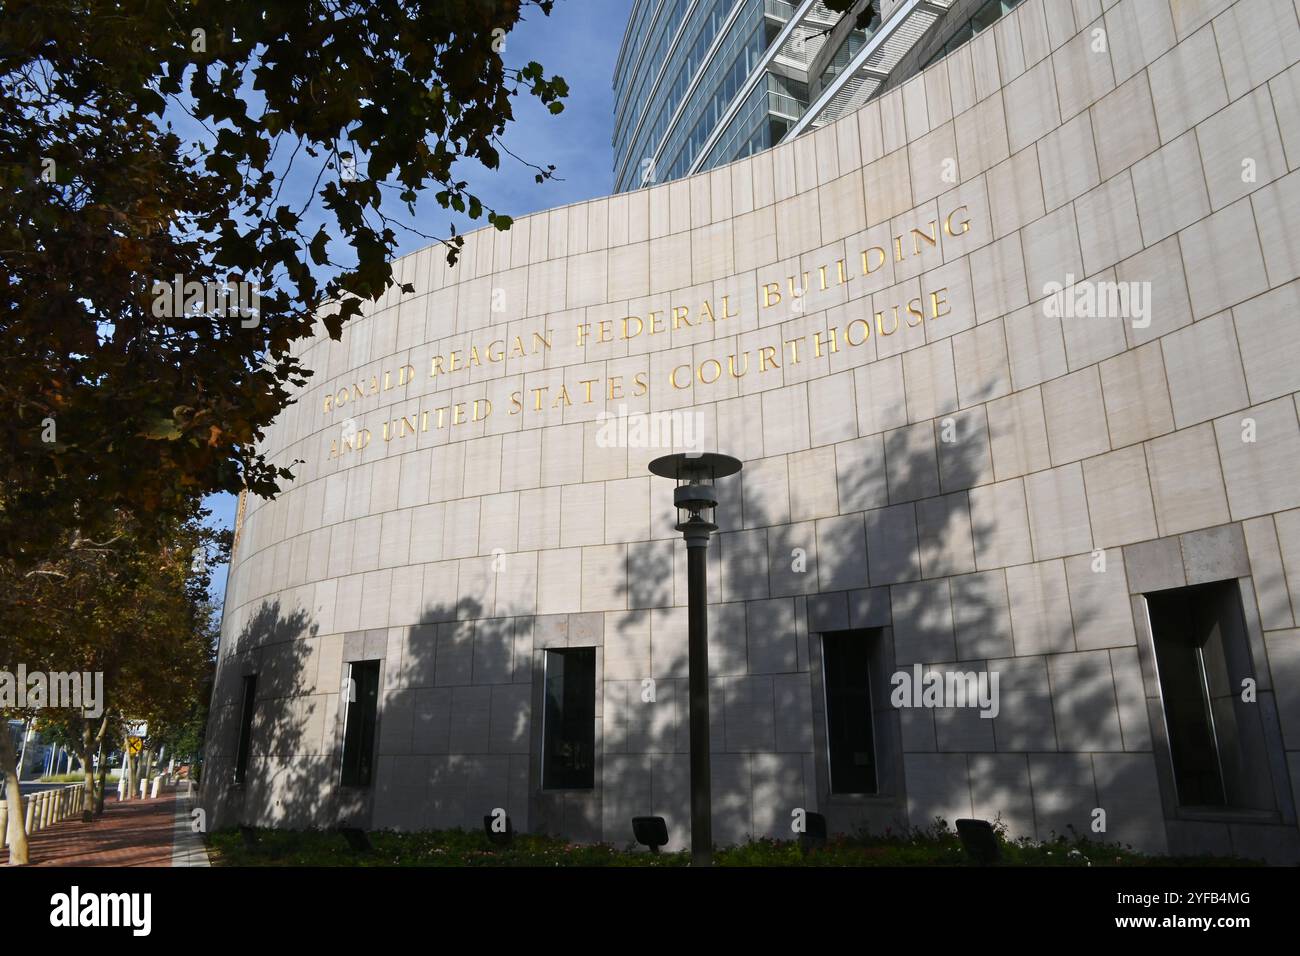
x=44, y=808
x=904, y=25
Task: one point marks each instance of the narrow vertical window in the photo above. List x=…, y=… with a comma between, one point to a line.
x=1216, y=740
x=246, y=705
x=362, y=707
x=846, y=674
x=569, y=720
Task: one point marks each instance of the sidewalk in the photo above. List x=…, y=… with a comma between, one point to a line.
x=134, y=833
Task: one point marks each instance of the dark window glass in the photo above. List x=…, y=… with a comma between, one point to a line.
x=964, y=33
x=986, y=16
x=569, y=720
x=359, y=729
x=846, y=672
x=1216, y=740
x=247, y=702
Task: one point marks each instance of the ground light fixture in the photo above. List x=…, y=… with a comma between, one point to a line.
x=814, y=833
x=980, y=841
x=495, y=833
x=650, y=831
x=695, y=498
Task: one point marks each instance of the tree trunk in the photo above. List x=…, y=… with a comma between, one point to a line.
x=128, y=769
x=95, y=798
x=22, y=754
x=103, y=776
x=87, y=744
x=17, y=836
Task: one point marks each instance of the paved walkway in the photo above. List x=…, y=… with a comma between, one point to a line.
x=131, y=833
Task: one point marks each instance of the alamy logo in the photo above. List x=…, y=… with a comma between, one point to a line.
x=82, y=691
x=232, y=299
x=1098, y=300
x=676, y=429
x=75, y=909
x=943, y=689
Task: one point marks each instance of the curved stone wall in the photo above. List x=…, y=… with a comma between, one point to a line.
x=1001, y=352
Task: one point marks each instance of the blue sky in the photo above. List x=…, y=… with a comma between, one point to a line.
x=579, y=41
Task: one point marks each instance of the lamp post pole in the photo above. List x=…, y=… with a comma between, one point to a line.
x=697, y=550
x=696, y=500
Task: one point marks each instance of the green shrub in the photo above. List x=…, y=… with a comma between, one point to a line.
x=75, y=778
x=935, y=845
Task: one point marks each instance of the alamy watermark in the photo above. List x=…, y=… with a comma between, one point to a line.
x=79, y=690
x=681, y=428
x=943, y=689
x=242, y=300
x=75, y=909
x=1098, y=300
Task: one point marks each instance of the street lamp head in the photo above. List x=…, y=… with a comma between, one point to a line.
x=694, y=496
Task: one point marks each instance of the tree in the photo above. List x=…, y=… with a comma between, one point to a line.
x=15, y=836
x=137, y=612
x=148, y=146
x=183, y=736
x=862, y=19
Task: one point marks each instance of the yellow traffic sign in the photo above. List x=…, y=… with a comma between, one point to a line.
x=135, y=745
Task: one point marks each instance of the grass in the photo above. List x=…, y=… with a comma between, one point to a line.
x=936, y=846
x=74, y=778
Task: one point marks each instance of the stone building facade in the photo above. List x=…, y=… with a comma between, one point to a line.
x=1010, y=356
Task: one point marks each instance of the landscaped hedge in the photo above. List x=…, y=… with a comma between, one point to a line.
x=936, y=846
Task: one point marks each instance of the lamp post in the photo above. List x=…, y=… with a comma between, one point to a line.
x=695, y=499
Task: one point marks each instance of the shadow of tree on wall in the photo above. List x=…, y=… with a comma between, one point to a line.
x=288, y=766
x=431, y=766
x=885, y=547
x=454, y=736
x=460, y=708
